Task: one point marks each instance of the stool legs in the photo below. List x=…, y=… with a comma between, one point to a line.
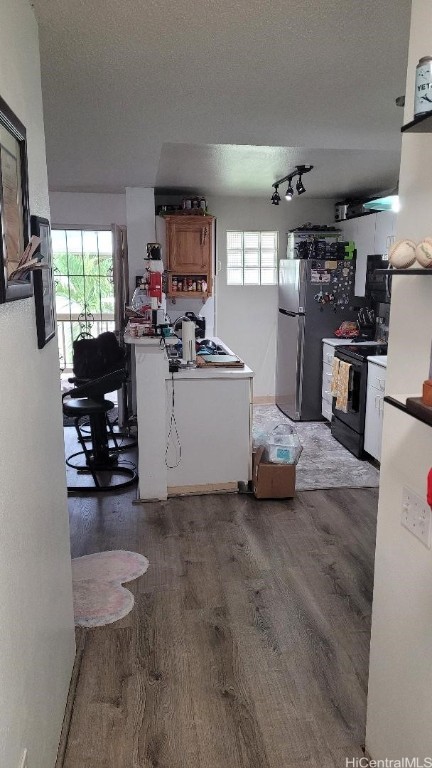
x=98, y=457
x=102, y=458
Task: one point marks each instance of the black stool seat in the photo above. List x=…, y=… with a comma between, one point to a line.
x=85, y=406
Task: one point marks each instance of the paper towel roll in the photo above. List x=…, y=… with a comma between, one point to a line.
x=188, y=340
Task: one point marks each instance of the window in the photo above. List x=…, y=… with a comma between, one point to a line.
x=252, y=258
x=83, y=275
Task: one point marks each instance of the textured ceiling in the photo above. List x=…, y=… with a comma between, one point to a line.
x=245, y=170
x=121, y=79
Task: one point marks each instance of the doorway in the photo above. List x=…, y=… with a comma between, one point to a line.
x=84, y=285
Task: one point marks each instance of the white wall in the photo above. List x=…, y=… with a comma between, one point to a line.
x=400, y=682
x=246, y=316
x=37, y=634
x=87, y=209
x=141, y=228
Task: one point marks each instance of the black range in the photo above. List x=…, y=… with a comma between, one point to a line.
x=348, y=428
x=362, y=351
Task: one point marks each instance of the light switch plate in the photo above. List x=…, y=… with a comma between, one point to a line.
x=416, y=516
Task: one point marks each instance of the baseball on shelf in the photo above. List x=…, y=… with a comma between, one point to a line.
x=424, y=252
x=402, y=254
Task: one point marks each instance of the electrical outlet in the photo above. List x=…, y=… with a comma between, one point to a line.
x=23, y=762
x=416, y=516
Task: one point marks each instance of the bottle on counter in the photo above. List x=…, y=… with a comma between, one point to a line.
x=179, y=285
x=423, y=87
x=174, y=284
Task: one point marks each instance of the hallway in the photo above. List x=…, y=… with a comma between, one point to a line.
x=248, y=644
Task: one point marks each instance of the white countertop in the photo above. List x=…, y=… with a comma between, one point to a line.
x=378, y=360
x=215, y=373
x=142, y=341
x=194, y=373
x=337, y=342
x=342, y=342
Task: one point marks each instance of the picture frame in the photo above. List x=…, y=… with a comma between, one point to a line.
x=43, y=283
x=14, y=204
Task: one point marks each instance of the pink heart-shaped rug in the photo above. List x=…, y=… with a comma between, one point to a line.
x=99, y=597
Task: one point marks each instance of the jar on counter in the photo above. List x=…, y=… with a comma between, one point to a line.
x=194, y=285
x=179, y=285
x=189, y=284
x=174, y=283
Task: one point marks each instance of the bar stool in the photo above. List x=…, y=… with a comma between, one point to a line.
x=87, y=400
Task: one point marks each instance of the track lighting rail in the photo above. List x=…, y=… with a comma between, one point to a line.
x=299, y=171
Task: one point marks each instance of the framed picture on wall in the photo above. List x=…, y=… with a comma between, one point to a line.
x=43, y=283
x=14, y=207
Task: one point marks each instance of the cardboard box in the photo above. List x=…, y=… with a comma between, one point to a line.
x=272, y=481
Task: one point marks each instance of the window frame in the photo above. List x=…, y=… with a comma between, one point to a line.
x=260, y=250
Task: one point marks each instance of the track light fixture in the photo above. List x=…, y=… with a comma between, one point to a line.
x=300, y=186
x=275, y=198
x=289, y=193
x=299, y=171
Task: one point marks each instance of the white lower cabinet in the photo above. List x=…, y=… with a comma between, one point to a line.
x=328, y=355
x=327, y=400
x=374, y=409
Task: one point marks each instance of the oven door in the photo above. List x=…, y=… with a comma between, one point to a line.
x=355, y=416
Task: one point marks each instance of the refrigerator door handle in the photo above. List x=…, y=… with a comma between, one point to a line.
x=290, y=314
x=300, y=357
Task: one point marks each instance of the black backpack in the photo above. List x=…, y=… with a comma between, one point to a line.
x=93, y=358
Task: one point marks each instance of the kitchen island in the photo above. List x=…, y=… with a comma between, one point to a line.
x=194, y=426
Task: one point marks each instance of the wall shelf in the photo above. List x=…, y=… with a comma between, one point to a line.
x=421, y=271
x=422, y=124
x=401, y=406
x=187, y=295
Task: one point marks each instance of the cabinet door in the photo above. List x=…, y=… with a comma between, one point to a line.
x=373, y=424
x=365, y=238
x=190, y=245
x=384, y=231
x=328, y=354
x=326, y=383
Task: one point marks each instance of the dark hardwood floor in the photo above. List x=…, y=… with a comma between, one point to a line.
x=248, y=644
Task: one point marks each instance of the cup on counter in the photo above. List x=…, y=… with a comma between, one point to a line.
x=133, y=330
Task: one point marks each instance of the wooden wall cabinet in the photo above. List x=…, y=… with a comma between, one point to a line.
x=190, y=247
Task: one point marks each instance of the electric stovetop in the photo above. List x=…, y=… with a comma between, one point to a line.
x=362, y=351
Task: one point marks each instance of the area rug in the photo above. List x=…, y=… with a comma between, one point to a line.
x=324, y=462
x=99, y=597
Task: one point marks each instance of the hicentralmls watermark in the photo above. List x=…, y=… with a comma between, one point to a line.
x=387, y=762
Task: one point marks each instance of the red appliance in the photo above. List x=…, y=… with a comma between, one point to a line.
x=155, y=285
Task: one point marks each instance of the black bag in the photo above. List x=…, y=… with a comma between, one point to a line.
x=93, y=358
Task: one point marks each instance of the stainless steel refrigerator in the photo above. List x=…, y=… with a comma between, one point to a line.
x=303, y=321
